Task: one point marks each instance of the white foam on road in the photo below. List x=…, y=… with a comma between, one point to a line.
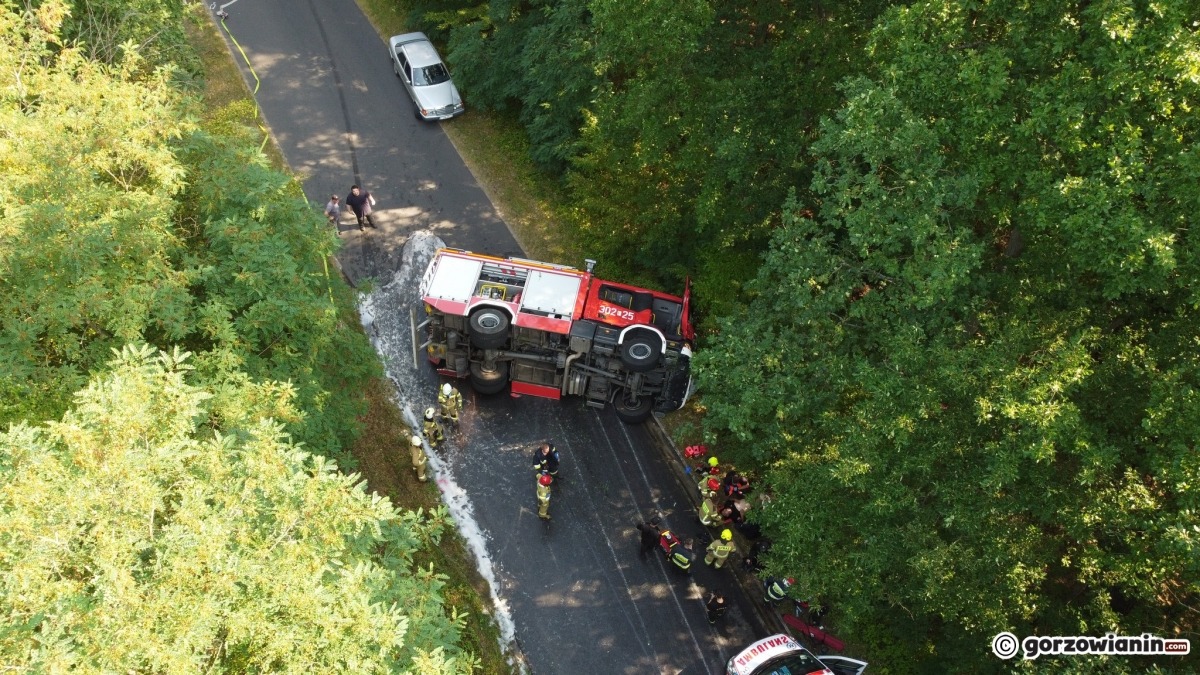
x=385, y=315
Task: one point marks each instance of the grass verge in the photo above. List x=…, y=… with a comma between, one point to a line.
x=382, y=455
x=379, y=449
x=224, y=92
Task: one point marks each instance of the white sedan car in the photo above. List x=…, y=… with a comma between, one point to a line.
x=425, y=76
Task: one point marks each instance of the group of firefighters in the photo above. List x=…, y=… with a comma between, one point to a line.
x=450, y=404
x=433, y=431
x=732, y=487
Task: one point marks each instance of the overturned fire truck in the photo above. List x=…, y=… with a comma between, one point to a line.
x=555, y=331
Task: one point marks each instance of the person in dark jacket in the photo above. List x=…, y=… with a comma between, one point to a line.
x=716, y=606
x=360, y=202
x=735, y=485
x=731, y=514
x=753, y=561
x=545, y=459
x=649, y=537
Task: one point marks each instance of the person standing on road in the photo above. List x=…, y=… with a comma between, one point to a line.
x=333, y=212
x=360, y=202
x=433, y=430
x=543, y=495
x=716, y=606
x=418, y=457
x=649, y=536
x=719, y=549
x=451, y=402
x=545, y=459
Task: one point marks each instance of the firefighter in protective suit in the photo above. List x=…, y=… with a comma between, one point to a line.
x=719, y=549
x=776, y=589
x=704, y=474
x=543, y=495
x=450, y=402
x=676, y=552
x=710, y=515
x=432, y=429
x=418, y=457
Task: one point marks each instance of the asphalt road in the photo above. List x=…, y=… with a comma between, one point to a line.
x=341, y=117
x=574, y=593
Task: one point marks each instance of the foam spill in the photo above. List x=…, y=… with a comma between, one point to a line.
x=386, y=316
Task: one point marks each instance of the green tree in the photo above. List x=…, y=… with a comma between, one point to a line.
x=969, y=370
x=124, y=221
x=137, y=536
x=682, y=124
x=107, y=31
x=87, y=251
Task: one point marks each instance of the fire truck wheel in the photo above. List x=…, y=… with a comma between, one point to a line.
x=634, y=412
x=641, y=352
x=489, y=328
x=487, y=382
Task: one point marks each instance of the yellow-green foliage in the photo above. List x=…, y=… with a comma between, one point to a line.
x=135, y=537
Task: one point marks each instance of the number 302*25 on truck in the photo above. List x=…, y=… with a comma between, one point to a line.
x=553, y=331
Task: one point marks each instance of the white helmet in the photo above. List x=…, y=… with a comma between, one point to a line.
x=446, y=389
x=416, y=440
x=429, y=413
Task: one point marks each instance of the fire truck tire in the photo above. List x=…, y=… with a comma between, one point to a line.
x=487, y=382
x=641, y=352
x=635, y=413
x=489, y=328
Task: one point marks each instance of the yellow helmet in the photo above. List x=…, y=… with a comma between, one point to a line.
x=712, y=461
x=726, y=535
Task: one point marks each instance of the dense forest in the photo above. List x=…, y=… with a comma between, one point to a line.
x=945, y=259
x=174, y=369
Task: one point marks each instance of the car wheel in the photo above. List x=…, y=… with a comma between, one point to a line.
x=488, y=382
x=641, y=352
x=489, y=328
x=635, y=411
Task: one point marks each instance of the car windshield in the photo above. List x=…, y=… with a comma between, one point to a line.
x=796, y=663
x=435, y=74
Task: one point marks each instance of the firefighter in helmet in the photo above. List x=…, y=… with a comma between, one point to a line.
x=710, y=515
x=719, y=549
x=706, y=473
x=450, y=402
x=432, y=428
x=418, y=457
x=543, y=495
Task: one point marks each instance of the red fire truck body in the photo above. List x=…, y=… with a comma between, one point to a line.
x=553, y=330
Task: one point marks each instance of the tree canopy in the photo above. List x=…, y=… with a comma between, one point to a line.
x=125, y=219
x=970, y=365
x=183, y=512
x=137, y=534
x=677, y=127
